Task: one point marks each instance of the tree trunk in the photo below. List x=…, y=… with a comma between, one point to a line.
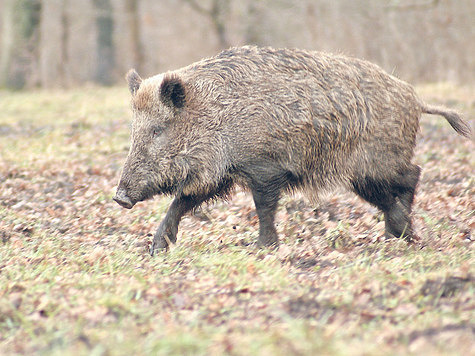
x=217, y=15
x=18, y=48
x=105, y=45
x=131, y=8
x=64, y=63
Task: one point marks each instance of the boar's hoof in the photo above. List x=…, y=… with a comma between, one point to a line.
x=160, y=245
x=406, y=234
x=165, y=235
x=268, y=240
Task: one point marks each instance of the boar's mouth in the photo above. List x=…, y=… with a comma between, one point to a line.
x=123, y=199
x=126, y=201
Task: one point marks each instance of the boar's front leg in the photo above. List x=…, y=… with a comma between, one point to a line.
x=169, y=226
x=182, y=204
x=266, y=206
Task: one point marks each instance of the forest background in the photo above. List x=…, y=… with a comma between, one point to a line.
x=65, y=43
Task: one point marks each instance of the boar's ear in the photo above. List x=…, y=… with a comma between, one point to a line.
x=172, y=91
x=134, y=81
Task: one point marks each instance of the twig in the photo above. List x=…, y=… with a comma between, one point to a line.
x=413, y=5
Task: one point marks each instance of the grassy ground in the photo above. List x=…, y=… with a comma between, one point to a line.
x=75, y=277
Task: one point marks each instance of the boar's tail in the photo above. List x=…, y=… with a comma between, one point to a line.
x=454, y=118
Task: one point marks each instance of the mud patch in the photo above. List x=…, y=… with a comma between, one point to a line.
x=5, y=236
x=309, y=308
x=446, y=287
x=306, y=263
x=431, y=332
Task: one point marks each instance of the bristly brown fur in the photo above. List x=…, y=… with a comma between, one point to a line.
x=134, y=81
x=143, y=100
x=274, y=120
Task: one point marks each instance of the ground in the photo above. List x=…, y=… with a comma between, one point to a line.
x=76, y=278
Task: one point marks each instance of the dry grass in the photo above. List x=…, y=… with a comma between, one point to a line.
x=75, y=277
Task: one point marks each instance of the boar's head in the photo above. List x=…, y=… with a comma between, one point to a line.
x=157, y=159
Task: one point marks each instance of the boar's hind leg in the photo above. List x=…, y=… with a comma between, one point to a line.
x=398, y=220
x=406, y=187
x=394, y=197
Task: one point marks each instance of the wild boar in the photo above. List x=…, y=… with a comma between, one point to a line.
x=271, y=121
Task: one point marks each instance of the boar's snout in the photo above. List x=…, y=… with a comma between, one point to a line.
x=122, y=199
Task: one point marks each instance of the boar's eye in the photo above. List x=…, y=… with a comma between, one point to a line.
x=157, y=131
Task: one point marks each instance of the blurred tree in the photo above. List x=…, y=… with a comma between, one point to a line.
x=64, y=42
x=131, y=7
x=217, y=14
x=18, y=45
x=252, y=33
x=398, y=5
x=105, y=45
x=54, y=58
